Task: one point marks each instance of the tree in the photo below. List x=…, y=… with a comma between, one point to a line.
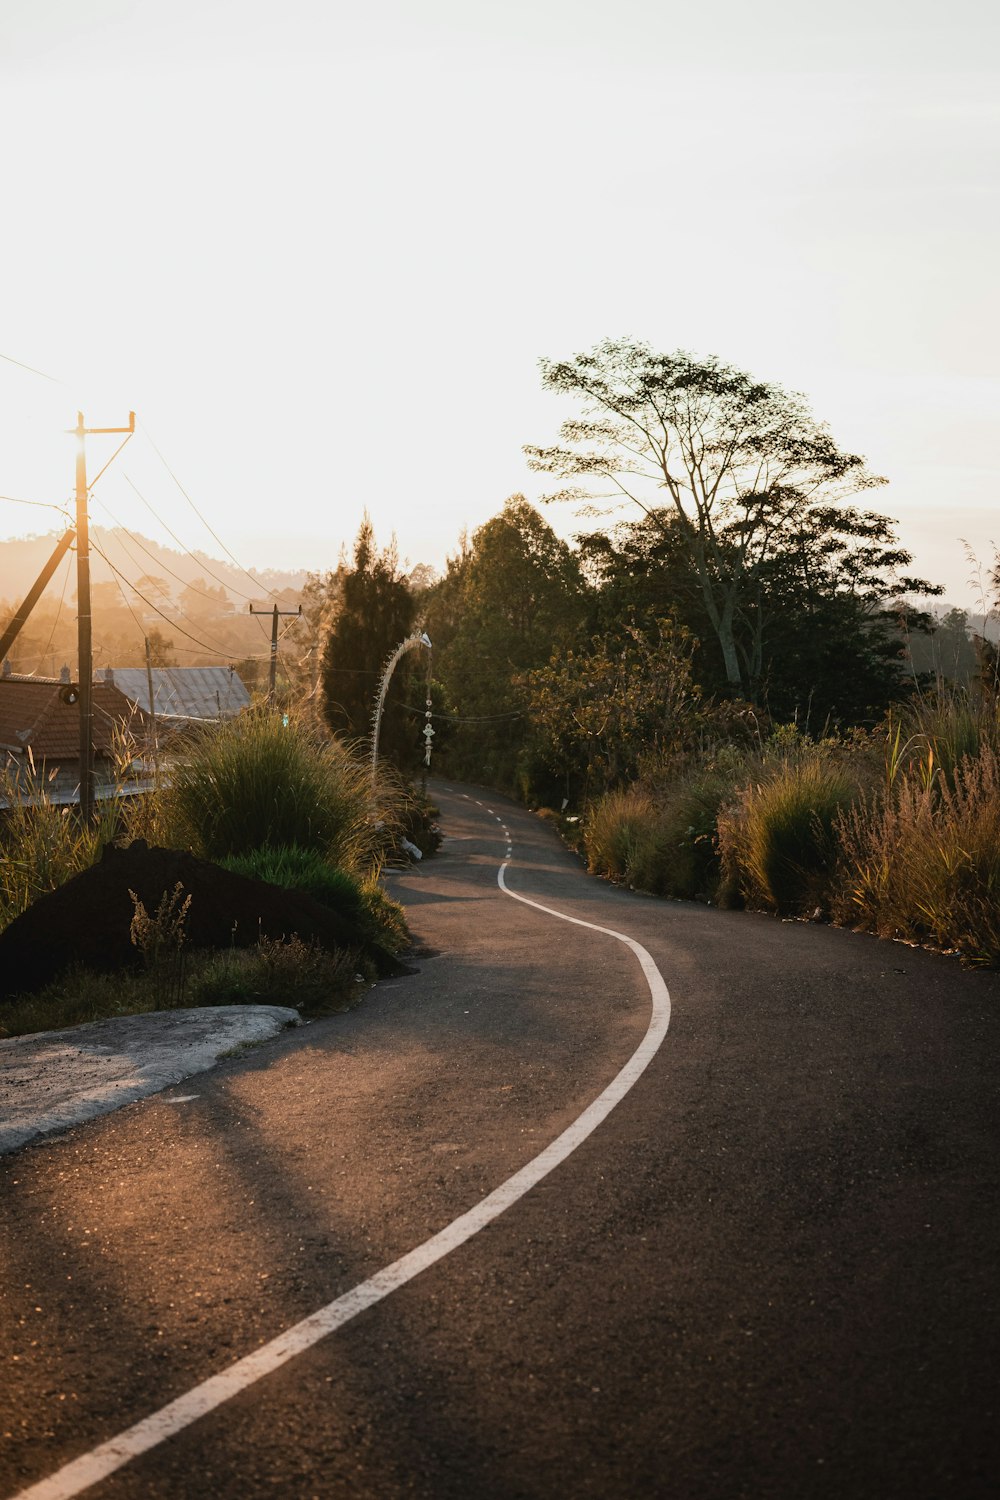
x=160, y=649
x=603, y=710
x=742, y=466
x=203, y=600
x=374, y=615
x=505, y=602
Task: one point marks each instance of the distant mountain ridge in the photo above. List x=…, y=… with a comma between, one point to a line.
x=135, y=555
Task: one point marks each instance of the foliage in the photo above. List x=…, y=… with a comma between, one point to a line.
x=375, y=615
x=301, y=870
x=603, y=710
x=42, y=845
x=755, y=485
x=160, y=938
x=778, y=840
x=923, y=862
x=257, y=781
x=662, y=839
x=293, y=974
x=503, y=605
x=379, y=920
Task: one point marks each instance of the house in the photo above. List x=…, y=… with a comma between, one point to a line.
x=182, y=695
x=40, y=736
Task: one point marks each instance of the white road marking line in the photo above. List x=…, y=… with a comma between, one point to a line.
x=89, y=1468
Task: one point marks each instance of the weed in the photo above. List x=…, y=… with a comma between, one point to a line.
x=160, y=939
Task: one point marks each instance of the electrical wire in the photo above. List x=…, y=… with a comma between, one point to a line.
x=187, y=550
x=201, y=518
x=459, y=718
x=39, y=504
x=22, y=366
x=222, y=650
x=152, y=555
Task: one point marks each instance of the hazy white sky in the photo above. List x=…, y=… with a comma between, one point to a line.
x=320, y=247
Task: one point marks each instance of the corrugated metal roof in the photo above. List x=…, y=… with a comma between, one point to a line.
x=185, y=692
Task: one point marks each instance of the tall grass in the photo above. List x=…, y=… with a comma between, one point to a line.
x=261, y=782
x=924, y=863
x=43, y=845
x=663, y=842
x=778, y=840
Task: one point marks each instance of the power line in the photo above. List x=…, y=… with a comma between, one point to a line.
x=223, y=649
x=460, y=718
x=40, y=504
x=201, y=518
x=22, y=366
x=219, y=651
x=204, y=567
x=152, y=555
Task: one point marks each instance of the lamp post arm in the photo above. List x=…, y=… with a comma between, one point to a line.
x=410, y=644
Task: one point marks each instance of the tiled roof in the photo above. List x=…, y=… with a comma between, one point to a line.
x=33, y=714
x=185, y=692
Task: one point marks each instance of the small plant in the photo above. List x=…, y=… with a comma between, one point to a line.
x=160, y=939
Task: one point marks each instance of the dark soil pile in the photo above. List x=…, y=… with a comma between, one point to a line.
x=88, y=920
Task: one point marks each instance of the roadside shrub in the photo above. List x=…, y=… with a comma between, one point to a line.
x=778, y=839
x=614, y=829
x=923, y=862
x=300, y=870
x=257, y=782
x=293, y=973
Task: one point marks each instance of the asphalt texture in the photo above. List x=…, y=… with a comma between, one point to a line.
x=770, y=1272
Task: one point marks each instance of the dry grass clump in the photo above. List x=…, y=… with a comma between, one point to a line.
x=43, y=845
x=778, y=839
x=923, y=863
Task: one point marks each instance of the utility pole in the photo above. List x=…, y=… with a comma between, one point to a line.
x=84, y=631
x=274, y=613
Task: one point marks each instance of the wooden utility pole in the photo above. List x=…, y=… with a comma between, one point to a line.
x=84, y=632
x=273, y=674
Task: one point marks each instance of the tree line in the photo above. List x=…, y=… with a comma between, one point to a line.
x=729, y=572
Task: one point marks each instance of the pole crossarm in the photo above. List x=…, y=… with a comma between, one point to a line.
x=273, y=673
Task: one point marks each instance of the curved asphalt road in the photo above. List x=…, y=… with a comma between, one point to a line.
x=770, y=1272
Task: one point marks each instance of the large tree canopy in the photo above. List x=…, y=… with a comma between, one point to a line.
x=746, y=476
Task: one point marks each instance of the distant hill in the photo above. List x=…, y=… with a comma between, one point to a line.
x=22, y=560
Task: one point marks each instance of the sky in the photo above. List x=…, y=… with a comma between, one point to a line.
x=319, y=249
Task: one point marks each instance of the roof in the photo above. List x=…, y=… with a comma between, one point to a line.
x=33, y=715
x=185, y=692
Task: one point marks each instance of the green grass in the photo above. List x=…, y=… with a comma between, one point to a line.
x=295, y=974
x=257, y=782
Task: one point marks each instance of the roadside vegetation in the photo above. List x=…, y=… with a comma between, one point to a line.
x=729, y=689
x=263, y=795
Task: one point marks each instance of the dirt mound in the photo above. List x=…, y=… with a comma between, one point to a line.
x=87, y=920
